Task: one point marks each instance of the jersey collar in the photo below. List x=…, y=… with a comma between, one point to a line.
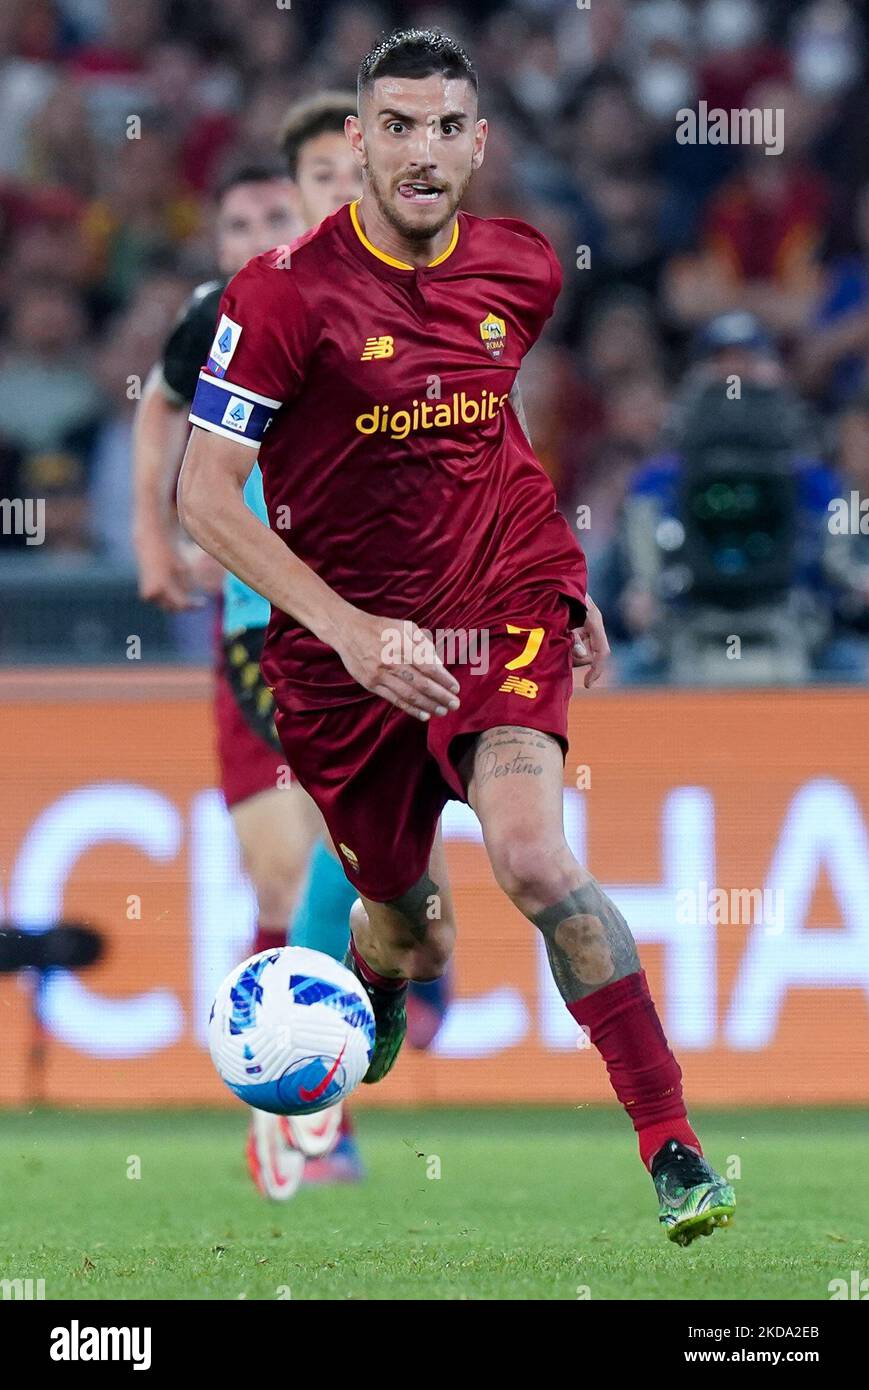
x=391, y=260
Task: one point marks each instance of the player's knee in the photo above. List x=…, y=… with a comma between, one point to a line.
x=358, y=919
x=533, y=873
x=274, y=904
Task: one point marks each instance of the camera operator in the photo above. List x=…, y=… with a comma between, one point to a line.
x=723, y=531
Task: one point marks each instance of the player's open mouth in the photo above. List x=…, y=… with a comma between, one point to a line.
x=419, y=192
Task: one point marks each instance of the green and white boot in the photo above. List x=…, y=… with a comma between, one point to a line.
x=390, y=1023
x=693, y=1198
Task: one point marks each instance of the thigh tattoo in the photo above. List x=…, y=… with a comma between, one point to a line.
x=509, y=751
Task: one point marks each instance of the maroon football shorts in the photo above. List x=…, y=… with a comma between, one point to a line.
x=382, y=777
x=248, y=763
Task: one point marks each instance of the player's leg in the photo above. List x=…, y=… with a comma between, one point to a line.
x=515, y=785
x=515, y=788
x=277, y=824
x=407, y=938
x=277, y=830
x=251, y=781
x=411, y=937
x=322, y=921
x=382, y=813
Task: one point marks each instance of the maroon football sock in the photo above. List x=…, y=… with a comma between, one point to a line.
x=268, y=939
x=371, y=976
x=623, y=1024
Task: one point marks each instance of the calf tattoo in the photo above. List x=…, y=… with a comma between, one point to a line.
x=588, y=941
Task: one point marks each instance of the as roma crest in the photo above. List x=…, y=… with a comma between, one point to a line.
x=493, y=332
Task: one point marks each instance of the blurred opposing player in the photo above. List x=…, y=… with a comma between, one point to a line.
x=278, y=826
x=375, y=364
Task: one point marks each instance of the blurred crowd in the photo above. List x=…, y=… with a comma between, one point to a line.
x=684, y=265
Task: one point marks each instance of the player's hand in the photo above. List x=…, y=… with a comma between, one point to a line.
x=165, y=576
x=398, y=662
x=590, y=647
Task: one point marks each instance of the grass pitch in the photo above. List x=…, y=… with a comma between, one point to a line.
x=529, y=1204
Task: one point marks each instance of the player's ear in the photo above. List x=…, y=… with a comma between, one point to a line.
x=353, y=131
x=481, y=130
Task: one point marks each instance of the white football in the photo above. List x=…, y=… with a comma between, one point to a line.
x=291, y=1031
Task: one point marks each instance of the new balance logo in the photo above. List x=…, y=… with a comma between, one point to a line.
x=378, y=347
x=520, y=685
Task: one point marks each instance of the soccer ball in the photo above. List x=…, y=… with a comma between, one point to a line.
x=291, y=1031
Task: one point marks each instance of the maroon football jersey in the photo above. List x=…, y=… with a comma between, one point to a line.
x=393, y=462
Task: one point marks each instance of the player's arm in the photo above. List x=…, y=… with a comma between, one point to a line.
x=159, y=433
x=213, y=511
x=170, y=566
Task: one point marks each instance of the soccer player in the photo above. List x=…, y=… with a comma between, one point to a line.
x=374, y=365
x=278, y=826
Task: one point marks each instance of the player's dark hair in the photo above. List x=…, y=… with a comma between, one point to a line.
x=248, y=173
x=305, y=120
x=415, y=53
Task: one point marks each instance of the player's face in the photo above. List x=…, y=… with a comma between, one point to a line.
x=328, y=176
x=419, y=141
x=253, y=218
